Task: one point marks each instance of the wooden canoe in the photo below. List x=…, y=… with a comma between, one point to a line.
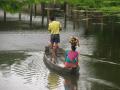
x=59, y=65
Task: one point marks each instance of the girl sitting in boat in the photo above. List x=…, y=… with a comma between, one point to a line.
x=71, y=58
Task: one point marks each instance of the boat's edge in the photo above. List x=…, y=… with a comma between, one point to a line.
x=56, y=68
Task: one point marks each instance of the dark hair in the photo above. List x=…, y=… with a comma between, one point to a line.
x=73, y=48
x=52, y=18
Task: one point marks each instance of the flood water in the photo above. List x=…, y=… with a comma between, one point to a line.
x=22, y=66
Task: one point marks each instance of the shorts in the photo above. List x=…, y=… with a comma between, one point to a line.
x=55, y=38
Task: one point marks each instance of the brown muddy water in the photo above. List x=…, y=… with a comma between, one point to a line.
x=21, y=58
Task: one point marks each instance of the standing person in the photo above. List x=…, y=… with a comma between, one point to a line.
x=71, y=57
x=54, y=28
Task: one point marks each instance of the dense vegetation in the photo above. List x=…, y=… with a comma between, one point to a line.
x=102, y=5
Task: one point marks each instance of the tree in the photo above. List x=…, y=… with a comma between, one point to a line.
x=11, y=5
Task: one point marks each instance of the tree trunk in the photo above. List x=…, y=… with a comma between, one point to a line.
x=31, y=11
x=74, y=17
x=35, y=8
x=65, y=20
x=42, y=10
x=87, y=20
x=48, y=16
x=4, y=16
x=19, y=16
x=65, y=14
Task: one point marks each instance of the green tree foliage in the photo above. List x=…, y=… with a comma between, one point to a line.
x=111, y=2
x=105, y=5
x=15, y=5
x=111, y=6
x=102, y=5
x=10, y=5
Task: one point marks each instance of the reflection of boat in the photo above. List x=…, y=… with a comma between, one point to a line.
x=71, y=83
x=59, y=66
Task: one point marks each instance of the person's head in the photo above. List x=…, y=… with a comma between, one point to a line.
x=73, y=48
x=52, y=18
x=73, y=41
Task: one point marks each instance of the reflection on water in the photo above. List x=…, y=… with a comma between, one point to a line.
x=53, y=81
x=29, y=72
x=108, y=45
x=11, y=58
x=97, y=73
x=71, y=83
x=56, y=82
x=22, y=67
